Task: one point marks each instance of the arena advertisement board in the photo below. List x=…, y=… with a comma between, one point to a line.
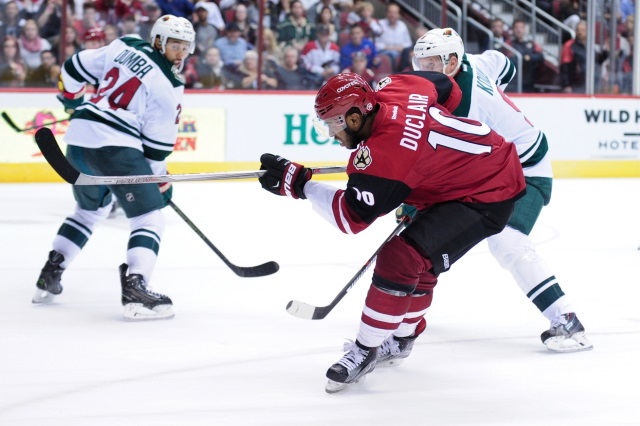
x=222, y=131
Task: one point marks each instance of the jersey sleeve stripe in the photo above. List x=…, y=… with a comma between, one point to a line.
x=339, y=205
x=542, y=147
x=148, y=140
x=86, y=75
x=154, y=153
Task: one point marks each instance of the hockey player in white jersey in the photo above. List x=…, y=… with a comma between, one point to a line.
x=482, y=79
x=128, y=127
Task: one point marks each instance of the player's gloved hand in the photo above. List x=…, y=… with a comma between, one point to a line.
x=69, y=100
x=283, y=177
x=166, y=190
x=405, y=210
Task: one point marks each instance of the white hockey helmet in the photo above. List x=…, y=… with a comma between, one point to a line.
x=169, y=26
x=440, y=42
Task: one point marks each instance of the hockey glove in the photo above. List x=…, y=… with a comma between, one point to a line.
x=166, y=190
x=69, y=100
x=283, y=177
x=406, y=210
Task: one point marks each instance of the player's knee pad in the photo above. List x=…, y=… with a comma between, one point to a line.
x=150, y=222
x=510, y=247
x=399, y=267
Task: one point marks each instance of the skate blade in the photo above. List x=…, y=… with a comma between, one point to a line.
x=42, y=297
x=333, y=386
x=137, y=312
x=575, y=343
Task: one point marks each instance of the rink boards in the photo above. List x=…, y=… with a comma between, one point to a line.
x=228, y=131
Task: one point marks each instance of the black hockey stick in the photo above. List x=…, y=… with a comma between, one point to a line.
x=306, y=311
x=13, y=125
x=242, y=271
x=51, y=151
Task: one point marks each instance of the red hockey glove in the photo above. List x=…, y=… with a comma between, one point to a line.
x=283, y=177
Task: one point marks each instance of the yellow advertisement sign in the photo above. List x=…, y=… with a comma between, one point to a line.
x=201, y=138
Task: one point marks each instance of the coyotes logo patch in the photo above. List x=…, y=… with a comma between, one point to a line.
x=362, y=159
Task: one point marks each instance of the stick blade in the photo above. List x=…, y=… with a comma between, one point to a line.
x=305, y=311
x=263, y=270
x=48, y=145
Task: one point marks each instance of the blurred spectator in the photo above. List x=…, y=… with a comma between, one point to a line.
x=206, y=33
x=248, y=29
x=13, y=70
x=12, y=21
x=271, y=50
x=573, y=61
x=89, y=20
x=246, y=75
x=363, y=14
x=406, y=57
x=214, y=16
x=211, y=70
x=72, y=44
x=296, y=30
x=128, y=26
x=113, y=11
x=532, y=56
x=179, y=8
x=314, y=11
x=627, y=9
x=291, y=76
x=626, y=69
x=357, y=43
x=233, y=48
x=31, y=44
x=49, y=19
x=500, y=36
x=46, y=75
x=326, y=18
x=395, y=35
x=359, y=66
x=94, y=39
x=111, y=32
x=153, y=13
x=321, y=57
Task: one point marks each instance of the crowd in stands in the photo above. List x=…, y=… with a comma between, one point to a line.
x=613, y=72
x=304, y=42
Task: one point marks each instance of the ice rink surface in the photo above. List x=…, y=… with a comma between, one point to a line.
x=234, y=356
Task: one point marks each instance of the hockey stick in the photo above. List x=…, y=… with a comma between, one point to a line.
x=13, y=125
x=51, y=151
x=242, y=271
x=306, y=311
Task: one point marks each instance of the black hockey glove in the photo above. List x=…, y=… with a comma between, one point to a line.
x=283, y=177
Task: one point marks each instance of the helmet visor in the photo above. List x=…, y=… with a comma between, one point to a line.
x=330, y=127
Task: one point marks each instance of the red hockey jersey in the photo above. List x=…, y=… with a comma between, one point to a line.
x=421, y=155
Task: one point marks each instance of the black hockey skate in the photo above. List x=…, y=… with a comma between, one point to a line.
x=566, y=335
x=140, y=303
x=49, y=281
x=394, y=350
x=351, y=368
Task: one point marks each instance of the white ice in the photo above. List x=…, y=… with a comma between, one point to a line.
x=233, y=356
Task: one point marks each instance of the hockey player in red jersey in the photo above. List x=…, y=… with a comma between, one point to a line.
x=462, y=177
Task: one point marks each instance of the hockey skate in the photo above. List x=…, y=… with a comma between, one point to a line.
x=351, y=368
x=394, y=350
x=140, y=303
x=566, y=335
x=49, y=281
